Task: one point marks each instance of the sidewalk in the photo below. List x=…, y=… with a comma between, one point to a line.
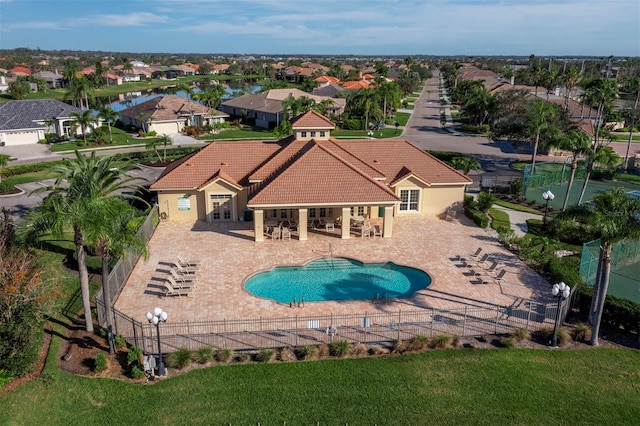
x=518, y=219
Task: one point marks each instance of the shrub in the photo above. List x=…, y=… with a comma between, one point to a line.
x=180, y=359
x=565, y=269
x=479, y=218
x=265, y=355
x=469, y=202
x=287, y=354
x=6, y=187
x=360, y=350
x=243, y=357
x=100, y=363
x=135, y=356
x=455, y=342
x=203, y=355
x=440, y=341
x=485, y=201
x=307, y=352
x=120, y=341
x=508, y=342
x=400, y=346
x=4, y=378
x=323, y=351
x=137, y=373
x=545, y=335
x=520, y=334
x=582, y=332
x=418, y=343
x=339, y=348
x=500, y=220
x=224, y=355
x=517, y=186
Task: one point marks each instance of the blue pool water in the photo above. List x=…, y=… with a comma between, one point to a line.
x=337, y=279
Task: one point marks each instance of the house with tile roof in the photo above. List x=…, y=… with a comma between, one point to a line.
x=307, y=177
x=25, y=122
x=265, y=109
x=170, y=114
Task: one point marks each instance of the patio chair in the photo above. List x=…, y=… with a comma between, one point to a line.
x=188, y=263
x=174, y=290
x=450, y=215
x=183, y=279
x=285, y=233
x=188, y=285
x=478, y=262
x=486, y=272
x=497, y=279
x=376, y=231
x=329, y=225
x=477, y=253
x=275, y=232
x=185, y=270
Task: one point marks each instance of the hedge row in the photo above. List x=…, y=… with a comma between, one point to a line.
x=478, y=217
x=617, y=312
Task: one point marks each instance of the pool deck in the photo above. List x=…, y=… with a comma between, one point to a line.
x=228, y=256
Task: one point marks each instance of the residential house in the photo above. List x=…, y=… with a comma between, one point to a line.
x=169, y=114
x=27, y=121
x=265, y=109
x=20, y=71
x=306, y=178
x=54, y=80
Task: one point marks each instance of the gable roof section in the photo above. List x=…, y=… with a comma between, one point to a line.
x=394, y=157
x=24, y=114
x=164, y=108
x=235, y=159
x=315, y=175
x=311, y=120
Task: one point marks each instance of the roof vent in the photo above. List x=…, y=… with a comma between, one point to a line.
x=224, y=163
x=376, y=161
x=189, y=164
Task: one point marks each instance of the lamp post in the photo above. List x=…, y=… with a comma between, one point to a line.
x=548, y=196
x=370, y=133
x=561, y=291
x=156, y=318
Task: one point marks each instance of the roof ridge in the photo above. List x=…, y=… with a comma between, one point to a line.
x=423, y=151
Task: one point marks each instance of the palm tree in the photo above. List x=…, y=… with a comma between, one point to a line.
x=578, y=143
x=603, y=156
x=110, y=116
x=164, y=140
x=211, y=96
x=367, y=101
x=90, y=182
x=465, y=163
x=600, y=92
x=541, y=113
x=633, y=86
x=480, y=106
x=79, y=90
x=571, y=79
x=85, y=120
x=612, y=217
x=4, y=160
x=110, y=233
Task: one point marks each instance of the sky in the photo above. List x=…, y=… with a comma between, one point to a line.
x=327, y=27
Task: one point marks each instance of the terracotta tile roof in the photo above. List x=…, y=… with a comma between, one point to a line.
x=315, y=175
x=311, y=120
x=193, y=171
x=327, y=79
x=355, y=85
x=20, y=70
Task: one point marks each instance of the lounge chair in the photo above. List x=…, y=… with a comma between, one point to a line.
x=185, y=270
x=188, y=263
x=329, y=225
x=187, y=285
x=486, y=272
x=175, y=290
x=477, y=253
x=497, y=279
x=479, y=262
x=184, y=279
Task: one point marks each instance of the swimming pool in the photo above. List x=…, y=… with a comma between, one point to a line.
x=337, y=279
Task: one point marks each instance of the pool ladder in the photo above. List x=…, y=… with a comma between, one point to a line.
x=297, y=303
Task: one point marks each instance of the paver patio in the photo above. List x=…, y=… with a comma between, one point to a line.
x=229, y=256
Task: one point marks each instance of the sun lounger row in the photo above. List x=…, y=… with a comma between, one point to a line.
x=476, y=261
x=182, y=279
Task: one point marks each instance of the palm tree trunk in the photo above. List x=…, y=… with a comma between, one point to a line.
x=596, y=290
x=574, y=166
x=586, y=181
x=107, y=298
x=110, y=136
x=606, y=273
x=633, y=120
x=535, y=153
x=83, y=275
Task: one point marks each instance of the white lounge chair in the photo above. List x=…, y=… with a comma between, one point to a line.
x=175, y=290
x=186, y=285
x=184, y=279
x=188, y=263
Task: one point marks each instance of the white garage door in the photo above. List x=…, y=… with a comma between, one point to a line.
x=165, y=128
x=21, y=138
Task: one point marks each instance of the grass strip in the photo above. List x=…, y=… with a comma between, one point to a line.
x=516, y=207
x=499, y=219
x=470, y=386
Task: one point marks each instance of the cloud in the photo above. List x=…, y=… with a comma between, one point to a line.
x=36, y=25
x=138, y=19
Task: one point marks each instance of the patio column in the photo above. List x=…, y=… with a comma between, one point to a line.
x=302, y=224
x=258, y=225
x=387, y=227
x=346, y=223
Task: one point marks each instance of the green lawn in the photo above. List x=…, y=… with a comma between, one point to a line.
x=120, y=138
x=361, y=134
x=402, y=117
x=469, y=386
x=240, y=134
